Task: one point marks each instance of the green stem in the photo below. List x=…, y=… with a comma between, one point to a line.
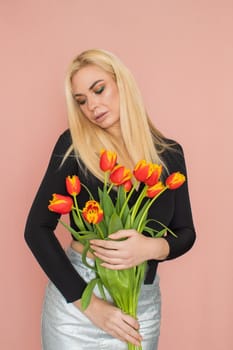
x=110, y=187
x=138, y=202
x=88, y=191
x=128, y=198
x=100, y=231
x=148, y=207
x=77, y=208
x=106, y=178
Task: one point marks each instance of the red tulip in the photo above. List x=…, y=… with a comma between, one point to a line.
x=120, y=175
x=141, y=170
x=60, y=204
x=73, y=185
x=107, y=160
x=154, y=190
x=175, y=180
x=127, y=185
x=92, y=212
x=154, y=174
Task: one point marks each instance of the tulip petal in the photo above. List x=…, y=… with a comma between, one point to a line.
x=107, y=160
x=175, y=180
x=60, y=204
x=73, y=185
x=92, y=212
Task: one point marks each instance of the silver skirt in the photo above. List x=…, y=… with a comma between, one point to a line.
x=65, y=327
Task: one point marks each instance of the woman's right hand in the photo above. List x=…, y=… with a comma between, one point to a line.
x=112, y=320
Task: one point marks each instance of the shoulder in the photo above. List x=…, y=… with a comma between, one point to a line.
x=173, y=155
x=64, y=139
x=63, y=143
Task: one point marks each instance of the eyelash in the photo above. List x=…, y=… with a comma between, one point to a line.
x=98, y=92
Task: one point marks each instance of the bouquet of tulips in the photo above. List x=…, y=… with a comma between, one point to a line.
x=99, y=219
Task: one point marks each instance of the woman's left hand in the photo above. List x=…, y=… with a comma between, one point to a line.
x=118, y=255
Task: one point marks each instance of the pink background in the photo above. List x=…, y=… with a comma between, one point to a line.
x=181, y=53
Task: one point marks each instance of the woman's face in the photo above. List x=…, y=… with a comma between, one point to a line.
x=97, y=96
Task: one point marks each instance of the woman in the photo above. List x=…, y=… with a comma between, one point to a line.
x=105, y=110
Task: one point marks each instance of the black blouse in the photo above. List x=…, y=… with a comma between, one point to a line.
x=172, y=209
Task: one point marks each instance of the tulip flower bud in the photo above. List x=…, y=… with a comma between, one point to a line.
x=154, y=190
x=127, y=185
x=107, y=160
x=92, y=212
x=175, y=180
x=154, y=174
x=120, y=175
x=60, y=204
x=73, y=185
x=141, y=171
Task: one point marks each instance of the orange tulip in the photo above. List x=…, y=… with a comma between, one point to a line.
x=154, y=190
x=154, y=174
x=107, y=160
x=92, y=212
x=141, y=170
x=73, y=185
x=127, y=185
x=120, y=175
x=175, y=180
x=60, y=204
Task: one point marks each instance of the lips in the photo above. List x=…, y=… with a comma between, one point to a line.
x=99, y=116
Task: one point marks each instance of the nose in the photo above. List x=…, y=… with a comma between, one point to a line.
x=92, y=103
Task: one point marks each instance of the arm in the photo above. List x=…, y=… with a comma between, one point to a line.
x=181, y=223
x=41, y=223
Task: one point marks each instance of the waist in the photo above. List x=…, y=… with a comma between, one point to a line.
x=151, y=267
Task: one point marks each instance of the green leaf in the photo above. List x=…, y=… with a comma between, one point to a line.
x=101, y=289
x=127, y=224
x=84, y=256
x=161, y=233
x=87, y=235
x=107, y=205
x=103, y=227
x=150, y=230
x=139, y=217
x=89, y=226
x=125, y=214
x=74, y=233
x=120, y=199
x=165, y=227
x=86, y=296
x=88, y=191
x=78, y=222
x=100, y=193
x=115, y=224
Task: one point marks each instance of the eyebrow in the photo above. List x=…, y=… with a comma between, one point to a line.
x=91, y=87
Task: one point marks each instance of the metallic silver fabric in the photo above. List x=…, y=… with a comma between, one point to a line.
x=64, y=327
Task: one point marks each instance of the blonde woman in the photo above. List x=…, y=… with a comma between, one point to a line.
x=105, y=110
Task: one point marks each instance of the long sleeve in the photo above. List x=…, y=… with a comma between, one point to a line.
x=41, y=223
x=181, y=222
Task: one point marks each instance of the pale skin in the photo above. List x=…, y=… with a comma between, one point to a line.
x=97, y=95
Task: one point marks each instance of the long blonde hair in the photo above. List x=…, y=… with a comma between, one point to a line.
x=141, y=139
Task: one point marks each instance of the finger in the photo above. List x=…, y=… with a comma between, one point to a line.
x=116, y=267
x=104, y=244
x=110, y=259
x=131, y=321
x=113, y=261
x=108, y=253
x=130, y=334
x=121, y=234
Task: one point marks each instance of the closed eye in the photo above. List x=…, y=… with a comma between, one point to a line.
x=99, y=90
x=81, y=102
